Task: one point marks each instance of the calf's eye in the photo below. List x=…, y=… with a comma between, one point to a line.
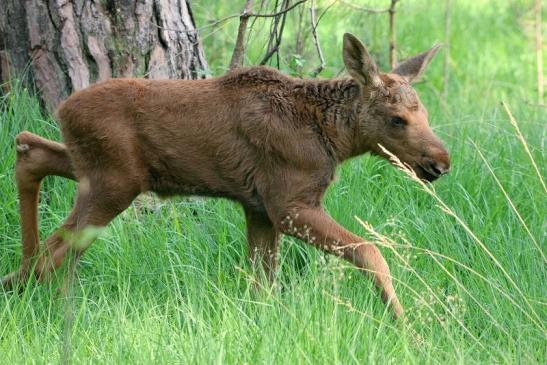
x=398, y=121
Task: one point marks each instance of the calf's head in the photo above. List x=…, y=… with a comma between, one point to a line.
x=391, y=113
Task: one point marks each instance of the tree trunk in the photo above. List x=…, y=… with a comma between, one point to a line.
x=65, y=45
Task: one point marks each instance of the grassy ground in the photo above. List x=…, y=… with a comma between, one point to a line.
x=174, y=286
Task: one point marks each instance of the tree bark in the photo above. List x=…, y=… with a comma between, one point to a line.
x=65, y=45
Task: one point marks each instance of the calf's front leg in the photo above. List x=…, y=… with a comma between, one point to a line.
x=316, y=227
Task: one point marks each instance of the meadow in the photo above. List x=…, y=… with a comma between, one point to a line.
x=171, y=283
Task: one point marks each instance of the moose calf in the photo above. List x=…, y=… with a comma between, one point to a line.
x=266, y=140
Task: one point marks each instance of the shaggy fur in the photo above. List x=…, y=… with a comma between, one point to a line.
x=266, y=140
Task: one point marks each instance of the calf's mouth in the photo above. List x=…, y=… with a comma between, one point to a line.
x=426, y=174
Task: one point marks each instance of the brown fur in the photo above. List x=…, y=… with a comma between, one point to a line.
x=266, y=140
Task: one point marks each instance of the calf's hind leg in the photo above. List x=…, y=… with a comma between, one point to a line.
x=37, y=158
x=98, y=202
x=263, y=241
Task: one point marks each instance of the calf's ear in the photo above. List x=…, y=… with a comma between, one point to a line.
x=413, y=67
x=359, y=63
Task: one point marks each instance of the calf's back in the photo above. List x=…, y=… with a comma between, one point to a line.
x=231, y=136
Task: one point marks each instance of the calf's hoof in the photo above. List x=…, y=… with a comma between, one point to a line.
x=14, y=281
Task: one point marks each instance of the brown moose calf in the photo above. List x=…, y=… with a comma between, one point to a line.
x=266, y=140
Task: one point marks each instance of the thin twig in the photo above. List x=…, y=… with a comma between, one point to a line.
x=362, y=8
x=195, y=43
x=325, y=11
x=539, y=52
x=314, y=23
x=229, y=17
x=446, y=49
x=281, y=12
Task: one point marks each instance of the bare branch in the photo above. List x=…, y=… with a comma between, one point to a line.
x=314, y=23
x=276, y=33
x=392, y=35
x=280, y=16
x=239, y=48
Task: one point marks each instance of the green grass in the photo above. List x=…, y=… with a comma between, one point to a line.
x=174, y=286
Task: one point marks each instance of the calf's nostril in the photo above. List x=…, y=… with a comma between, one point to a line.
x=435, y=168
x=439, y=168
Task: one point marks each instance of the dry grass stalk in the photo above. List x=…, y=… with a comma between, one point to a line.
x=510, y=202
x=524, y=143
x=442, y=205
